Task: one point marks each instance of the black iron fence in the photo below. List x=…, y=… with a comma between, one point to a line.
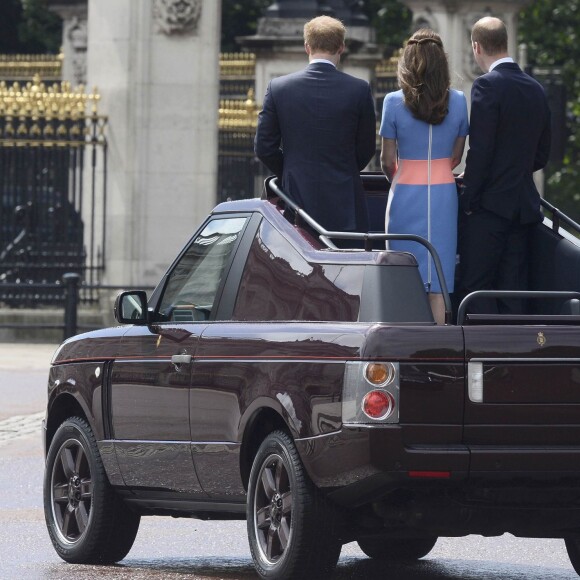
x=70, y=294
x=52, y=191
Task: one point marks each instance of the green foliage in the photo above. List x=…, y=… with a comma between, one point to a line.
x=392, y=21
x=28, y=27
x=551, y=30
x=240, y=18
x=40, y=30
x=10, y=15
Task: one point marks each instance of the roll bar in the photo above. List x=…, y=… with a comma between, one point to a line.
x=461, y=312
x=325, y=237
x=558, y=216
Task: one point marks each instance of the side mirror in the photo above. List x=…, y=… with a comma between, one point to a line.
x=131, y=307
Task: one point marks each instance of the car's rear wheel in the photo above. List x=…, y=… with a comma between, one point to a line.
x=86, y=520
x=293, y=531
x=395, y=549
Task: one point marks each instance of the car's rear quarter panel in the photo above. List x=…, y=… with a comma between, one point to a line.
x=295, y=369
x=429, y=434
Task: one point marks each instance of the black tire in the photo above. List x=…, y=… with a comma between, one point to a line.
x=573, y=549
x=86, y=520
x=292, y=530
x=393, y=549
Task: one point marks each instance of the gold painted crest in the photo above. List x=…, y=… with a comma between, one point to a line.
x=541, y=339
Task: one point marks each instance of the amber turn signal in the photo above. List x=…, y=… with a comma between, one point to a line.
x=380, y=373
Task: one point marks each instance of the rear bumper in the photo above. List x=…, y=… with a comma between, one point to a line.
x=360, y=465
x=377, y=459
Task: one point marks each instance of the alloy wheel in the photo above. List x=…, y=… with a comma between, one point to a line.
x=71, y=491
x=273, y=509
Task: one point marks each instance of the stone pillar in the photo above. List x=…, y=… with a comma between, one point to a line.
x=453, y=19
x=156, y=66
x=74, y=39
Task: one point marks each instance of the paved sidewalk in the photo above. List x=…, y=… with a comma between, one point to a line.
x=26, y=356
x=23, y=388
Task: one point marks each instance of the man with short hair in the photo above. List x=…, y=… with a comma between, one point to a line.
x=509, y=139
x=317, y=131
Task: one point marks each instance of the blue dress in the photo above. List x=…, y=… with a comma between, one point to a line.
x=423, y=198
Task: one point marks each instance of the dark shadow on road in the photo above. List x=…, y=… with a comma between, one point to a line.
x=350, y=568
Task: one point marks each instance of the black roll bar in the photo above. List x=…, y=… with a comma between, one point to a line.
x=367, y=238
x=558, y=216
x=461, y=312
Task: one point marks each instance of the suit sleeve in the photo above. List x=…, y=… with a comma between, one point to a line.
x=267, y=143
x=366, y=131
x=483, y=128
x=545, y=143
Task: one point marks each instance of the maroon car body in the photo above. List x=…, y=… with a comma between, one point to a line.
x=259, y=328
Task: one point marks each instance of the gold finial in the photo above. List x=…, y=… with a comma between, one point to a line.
x=34, y=110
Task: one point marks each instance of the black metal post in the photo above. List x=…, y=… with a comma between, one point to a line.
x=71, y=283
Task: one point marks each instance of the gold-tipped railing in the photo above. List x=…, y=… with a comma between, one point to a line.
x=239, y=115
x=21, y=67
x=34, y=113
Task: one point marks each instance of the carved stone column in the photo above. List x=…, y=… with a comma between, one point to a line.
x=74, y=38
x=156, y=64
x=453, y=19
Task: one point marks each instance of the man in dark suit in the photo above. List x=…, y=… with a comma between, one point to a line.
x=317, y=131
x=509, y=139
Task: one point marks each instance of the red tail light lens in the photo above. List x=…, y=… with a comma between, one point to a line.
x=378, y=404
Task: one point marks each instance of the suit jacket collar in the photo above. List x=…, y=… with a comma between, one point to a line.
x=507, y=66
x=322, y=66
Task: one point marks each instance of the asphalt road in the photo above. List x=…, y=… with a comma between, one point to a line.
x=180, y=548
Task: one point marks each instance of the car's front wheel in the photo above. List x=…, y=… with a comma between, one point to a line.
x=293, y=531
x=384, y=548
x=86, y=520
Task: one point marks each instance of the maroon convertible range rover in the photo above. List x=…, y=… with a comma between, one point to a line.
x=274, y=378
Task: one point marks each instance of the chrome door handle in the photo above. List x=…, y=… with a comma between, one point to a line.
x=180, y=359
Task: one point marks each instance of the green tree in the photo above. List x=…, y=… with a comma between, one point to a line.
x=390, y=18
x=240, y=18
x=392, y=21
x=40, y=30
x=28, y=27
x=10, y=16
x=551, y=31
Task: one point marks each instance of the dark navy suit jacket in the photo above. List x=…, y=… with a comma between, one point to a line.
x=317, y=131
x=509, y=139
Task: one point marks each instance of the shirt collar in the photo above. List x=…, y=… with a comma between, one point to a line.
x=500, y=61
x=323, y=60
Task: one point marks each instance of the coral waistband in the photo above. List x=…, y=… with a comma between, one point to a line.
x=415, y=172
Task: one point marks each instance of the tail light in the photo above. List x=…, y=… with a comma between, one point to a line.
x=370, y=393
x=378, y=404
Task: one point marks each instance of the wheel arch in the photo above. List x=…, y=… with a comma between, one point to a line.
x=261, y=422
x=62, y=408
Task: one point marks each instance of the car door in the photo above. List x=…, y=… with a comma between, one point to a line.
x=150, y=380
x=522, y=409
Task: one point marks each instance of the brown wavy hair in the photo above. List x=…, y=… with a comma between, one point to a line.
x=423, y=75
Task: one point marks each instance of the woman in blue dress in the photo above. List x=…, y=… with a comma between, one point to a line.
x=423, y=130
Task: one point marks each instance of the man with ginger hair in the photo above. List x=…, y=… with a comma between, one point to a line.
x=509, y=139
x=317, y=130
